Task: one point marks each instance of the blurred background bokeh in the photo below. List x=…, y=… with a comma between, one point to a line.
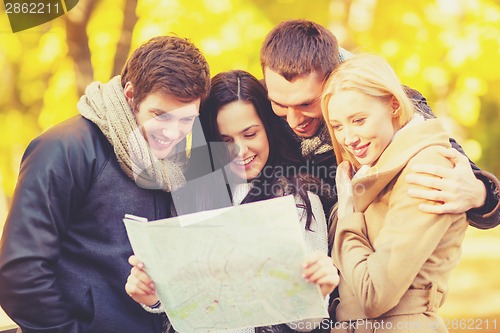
x=449, y=50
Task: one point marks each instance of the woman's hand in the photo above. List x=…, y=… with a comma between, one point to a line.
x=319, y=269
x=343, y=181
x=139, y=285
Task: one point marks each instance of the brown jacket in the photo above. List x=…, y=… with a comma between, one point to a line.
x=394, y=259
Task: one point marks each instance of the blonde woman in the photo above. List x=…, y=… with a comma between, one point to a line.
x=394, y=259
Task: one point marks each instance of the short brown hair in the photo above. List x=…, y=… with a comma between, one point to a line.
x=167, y=64
x=298, y=47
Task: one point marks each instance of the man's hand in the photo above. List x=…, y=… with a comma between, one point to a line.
x=139, y=285
x=457, y=190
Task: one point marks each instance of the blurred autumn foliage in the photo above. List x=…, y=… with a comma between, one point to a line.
x=447, y=49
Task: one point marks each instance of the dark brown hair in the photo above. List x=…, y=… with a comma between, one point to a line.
x=284, y=156
x=170, y=65
x=298, y=47
x=238, y=85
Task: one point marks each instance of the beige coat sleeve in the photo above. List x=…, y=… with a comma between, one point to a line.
x=380, y=273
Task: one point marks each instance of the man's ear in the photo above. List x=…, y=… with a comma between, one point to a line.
x=129, y=93
x=395, y=106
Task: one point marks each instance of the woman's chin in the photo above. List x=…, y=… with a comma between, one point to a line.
x=162, y=153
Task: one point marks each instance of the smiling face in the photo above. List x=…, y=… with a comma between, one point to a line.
x=362, y=124
x=164, y=120
x=296, y=101
x=239, y=124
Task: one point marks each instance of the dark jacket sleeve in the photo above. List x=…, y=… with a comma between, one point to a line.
x=53, y=178
x=487, y=216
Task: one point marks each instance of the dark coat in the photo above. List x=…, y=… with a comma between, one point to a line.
x=63, y=257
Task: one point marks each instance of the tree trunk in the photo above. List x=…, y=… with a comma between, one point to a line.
x=123, y=46
x=78, y=42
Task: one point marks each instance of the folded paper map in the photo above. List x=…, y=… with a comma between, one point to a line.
x=230, y=268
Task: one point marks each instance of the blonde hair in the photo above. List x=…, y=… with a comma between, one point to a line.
x=370, y=75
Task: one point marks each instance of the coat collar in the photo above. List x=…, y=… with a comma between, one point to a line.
x=404, y=146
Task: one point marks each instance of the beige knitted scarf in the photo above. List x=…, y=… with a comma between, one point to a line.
x=105, y=105
x=318, y=144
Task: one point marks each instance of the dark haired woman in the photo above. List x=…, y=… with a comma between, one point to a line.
x=259, y=165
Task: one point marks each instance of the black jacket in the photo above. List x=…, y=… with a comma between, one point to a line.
x=63, y=257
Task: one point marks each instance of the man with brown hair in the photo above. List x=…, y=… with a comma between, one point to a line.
x=64, y=252
x=296, y=57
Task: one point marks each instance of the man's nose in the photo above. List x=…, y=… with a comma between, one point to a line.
x=294, y=117
x=171, y=130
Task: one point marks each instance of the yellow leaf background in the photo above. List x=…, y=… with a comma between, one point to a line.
x=449, y=50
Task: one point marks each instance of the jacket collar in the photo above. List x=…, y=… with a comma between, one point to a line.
x=404, y=146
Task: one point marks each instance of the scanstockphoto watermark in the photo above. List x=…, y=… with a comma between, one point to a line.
x=319, y=179
x=272, y=181
x=369, y=325
x=309, y=167
x=25, y=14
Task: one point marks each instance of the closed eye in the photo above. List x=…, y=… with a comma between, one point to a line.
x=336, y=127
x=161, y=115
x=188, y=120
x=278, y=104
x=359, y=121
x=308, y=104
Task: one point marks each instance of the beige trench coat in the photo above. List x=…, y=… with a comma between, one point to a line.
x=394, y=259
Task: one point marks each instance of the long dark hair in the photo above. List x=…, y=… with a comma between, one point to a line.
x=280, y=176
x=238, y=85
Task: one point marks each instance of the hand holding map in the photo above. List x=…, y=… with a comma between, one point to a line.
x=230, y=268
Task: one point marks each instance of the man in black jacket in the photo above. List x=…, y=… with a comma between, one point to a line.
x=63, y=256
x=296, y=57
